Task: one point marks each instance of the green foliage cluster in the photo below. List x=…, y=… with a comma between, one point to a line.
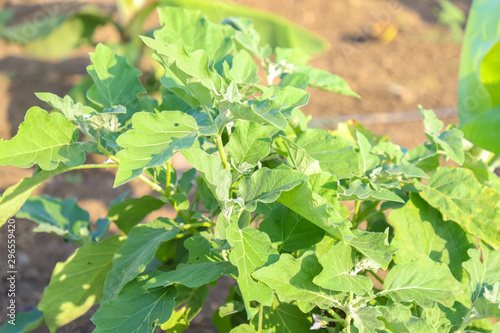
x=264, y=202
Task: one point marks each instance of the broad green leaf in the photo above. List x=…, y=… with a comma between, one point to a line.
x=338, y=264
x=185, y=183
x=324, y=80
x=76, y=284
x=265, y=185
x=437, y=319
x=292, y=279
x=136, y=309
x=139, y=249
x=395, y=316
x=243, y=69
x=210, y=168
x=43, y=139
x=367, y=160
x=359, y=190
x=153, y=141
x=243, y=328
x=128, y=213
x=194, y=31
x=251, y=249
x=188, y=74
x=65, y=105
x=15, y=196
x=299, y=159
x=375, y=246
x=461, y=198
x=484, y=282
x=478, y=97
x=316, y=209
x=61, y=217
x=283, y=318
x=24, y=322
x=115, y=81
x=249, y=143
x=424, y=157
x=432, y=124
x=482, y=172
x=200, y=247
x=365, y=319
x=290, y=231
x=423, y=281
x=192, y=276
x=419, y=229
x=334, y=153
x=188, y=303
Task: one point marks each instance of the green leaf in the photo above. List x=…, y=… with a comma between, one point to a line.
x=251, y=249
x=326, y=81
x=139, y=249
x=292, y=279
x=24, y=322
x=153, y=141
x=188, y=74
x=192, y=276
x=335, y=154
x=478, y=97
x=249, y=143
x=337, y=275
x=243, y=328
x=194, y=31
x=290, y=231
x=359, y=190
x=419, y=229
x=375, y=246
x=265, y=185
x=293, y=56
x=283, y=318
x=76, y=284
x=115, y=81
x=461, y=198
x=395, y=316
x=365, y=319
x=200, y=247
x=61, y=217
x=299, y=159
x=432, y=124
x=423, y=281
x=65, y=105
x=211, y=170
x=368, y=160
x=15, y=196
x=243, y=69
x=128, y=213
x=43, y=139
x=136, y=309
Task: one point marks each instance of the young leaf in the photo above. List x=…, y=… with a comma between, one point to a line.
x=419, y=229
x=299, y=159
x=194, y=31
x=136, y=309
x=338, y=264
x=153, y=141
x=289, y=230
x=128, y=213
x=292, y=279
x=139, y=249
x=15, y=196
x=43, y=139
x=334, y=154
x=374, y=245
x=65, y=105
x=359, y=190
x=461, y=198
x=365, y=319
x=324, y=80
x=423, y=281
x=243, y=69
x=251, y=249
x=61, y=217
x=265, y=185
x=192, y=276
x=115, y=81
x=76, y=285
x=249, y=143
x=367, y=160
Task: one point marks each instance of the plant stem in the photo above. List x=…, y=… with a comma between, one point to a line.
x=196, y=225
x=261, y=315
x=221, y=152
x=169, y=172
x=335, y=315
x=93, y=166
x=376, y=276
x=363, y=215
x=348, y=315
x=356, y=211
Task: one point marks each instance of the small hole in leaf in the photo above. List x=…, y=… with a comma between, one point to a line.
x=176, y=124
x=197, y=258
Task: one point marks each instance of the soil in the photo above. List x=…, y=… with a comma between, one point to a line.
x=419, y=66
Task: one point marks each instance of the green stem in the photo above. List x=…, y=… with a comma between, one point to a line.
x=348, y=315
x=363, y=215
x=261, y=315
x=196, y=225
x=376, y=276
x=222, y=153
x=93, y=166
x=335, y=315
x=467, y=320
x=356, y=211
x=169, y=176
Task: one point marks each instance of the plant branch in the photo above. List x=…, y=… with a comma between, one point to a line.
x=93, y=166
x=222, y=153
x=378, y=278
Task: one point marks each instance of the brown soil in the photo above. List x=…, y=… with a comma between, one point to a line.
x=419, y=66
